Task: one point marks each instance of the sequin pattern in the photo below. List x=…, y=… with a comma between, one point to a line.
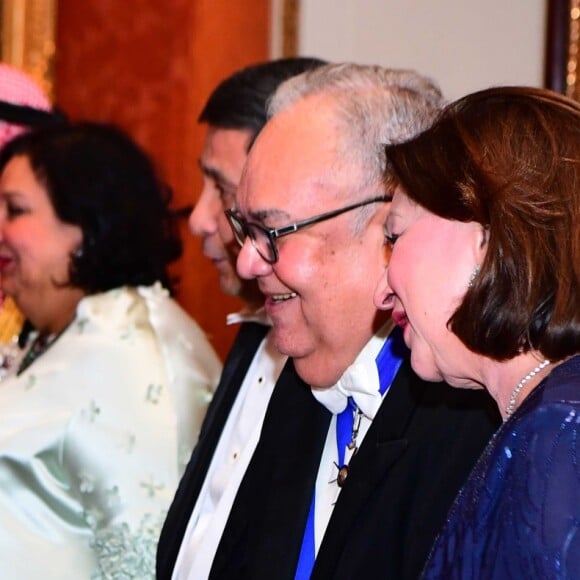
x=518, y=515
x=123, y=554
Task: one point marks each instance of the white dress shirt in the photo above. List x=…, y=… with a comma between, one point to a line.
x=231, y=459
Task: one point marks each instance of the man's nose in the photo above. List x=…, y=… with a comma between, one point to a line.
x=203, y=219
x=250, y=264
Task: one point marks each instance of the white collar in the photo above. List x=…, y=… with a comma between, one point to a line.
x=249, y=315
x=359, y=381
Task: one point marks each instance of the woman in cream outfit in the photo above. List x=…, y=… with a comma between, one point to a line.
x=106, y=402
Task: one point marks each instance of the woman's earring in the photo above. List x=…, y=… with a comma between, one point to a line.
x=473, y=276
x=78, y=253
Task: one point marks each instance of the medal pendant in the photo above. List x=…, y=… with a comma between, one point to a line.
x=342, y=475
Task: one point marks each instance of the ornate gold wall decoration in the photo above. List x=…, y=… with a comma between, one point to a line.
x=290, y=13
x=572, y=68
x=27, y=38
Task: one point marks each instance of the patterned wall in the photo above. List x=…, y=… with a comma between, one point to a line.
x=149, y=66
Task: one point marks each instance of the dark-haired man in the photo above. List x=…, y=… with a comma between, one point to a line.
x=234, y=113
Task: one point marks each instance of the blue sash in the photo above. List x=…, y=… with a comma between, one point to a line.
x=388, y=362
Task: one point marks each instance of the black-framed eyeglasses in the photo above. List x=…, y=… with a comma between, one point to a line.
x=264, y=239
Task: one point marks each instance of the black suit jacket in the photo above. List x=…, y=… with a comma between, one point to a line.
x=289, y=390
x=416, y=455
x=236, y=365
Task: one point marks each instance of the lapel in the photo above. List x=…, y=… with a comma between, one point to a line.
x=235, y=368
x=264, y=532
x=382, y=446
x=237, y=363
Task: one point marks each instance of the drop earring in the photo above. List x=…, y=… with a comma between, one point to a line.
x=473, y=276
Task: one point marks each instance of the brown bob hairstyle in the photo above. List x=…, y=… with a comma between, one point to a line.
x=507, y=158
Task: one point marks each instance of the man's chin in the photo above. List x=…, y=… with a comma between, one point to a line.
x=317, y=372
x=315, y=365
x=282, y=345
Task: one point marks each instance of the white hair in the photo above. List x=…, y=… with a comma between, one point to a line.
x=374, y=106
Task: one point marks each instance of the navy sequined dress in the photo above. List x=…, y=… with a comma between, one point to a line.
x=518, y=515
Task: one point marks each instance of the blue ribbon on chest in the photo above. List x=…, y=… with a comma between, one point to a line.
x=388, y=361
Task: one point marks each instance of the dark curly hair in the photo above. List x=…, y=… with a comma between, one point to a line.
x=97, y=178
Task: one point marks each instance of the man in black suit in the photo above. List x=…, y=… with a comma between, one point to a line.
x=362, y=491
x=234, y=113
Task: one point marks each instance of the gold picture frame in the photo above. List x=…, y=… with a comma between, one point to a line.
x=572, y=72
x=290, y=16
x=27, y=38
x=562, y=71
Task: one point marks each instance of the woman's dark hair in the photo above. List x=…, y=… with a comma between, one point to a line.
x=98, y=179
x=507, y=158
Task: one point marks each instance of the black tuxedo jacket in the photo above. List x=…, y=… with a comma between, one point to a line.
x=289, y=387
x=416, y=455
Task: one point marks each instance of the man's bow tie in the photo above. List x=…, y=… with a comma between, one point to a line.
x=361, y=382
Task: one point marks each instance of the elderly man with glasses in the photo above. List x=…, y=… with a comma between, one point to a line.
x=264, y=239
x=361, y=490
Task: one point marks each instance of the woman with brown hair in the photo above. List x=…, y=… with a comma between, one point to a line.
x=485, y=281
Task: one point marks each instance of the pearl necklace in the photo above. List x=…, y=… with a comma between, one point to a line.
x=511, y=406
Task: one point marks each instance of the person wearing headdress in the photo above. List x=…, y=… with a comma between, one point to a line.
x=23, y=104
